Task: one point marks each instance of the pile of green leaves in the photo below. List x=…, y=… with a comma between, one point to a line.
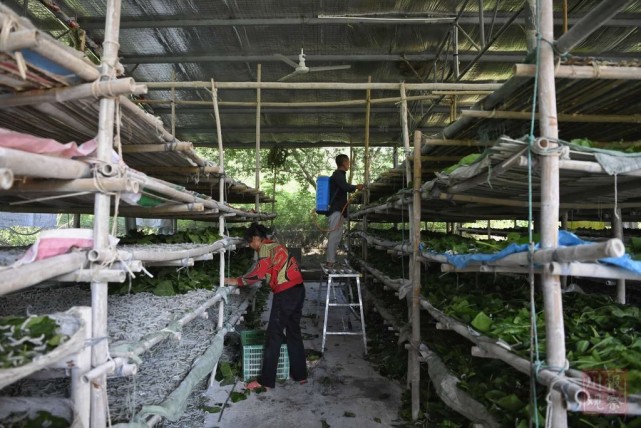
x=169, y=281
x=24, y=338
x=600, y=334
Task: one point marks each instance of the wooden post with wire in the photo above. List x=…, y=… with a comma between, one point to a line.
x=549, y=215
x=102, y=202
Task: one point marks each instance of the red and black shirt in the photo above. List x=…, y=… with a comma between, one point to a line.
x=275, y=264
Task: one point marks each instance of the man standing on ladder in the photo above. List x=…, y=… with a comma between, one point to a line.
x=338, y=189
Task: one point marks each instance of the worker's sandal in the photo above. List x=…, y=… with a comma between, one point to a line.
x=254, y=385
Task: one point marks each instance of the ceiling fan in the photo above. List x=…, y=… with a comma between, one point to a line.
x=301, y=68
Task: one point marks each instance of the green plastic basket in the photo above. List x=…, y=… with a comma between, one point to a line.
x=253, y=342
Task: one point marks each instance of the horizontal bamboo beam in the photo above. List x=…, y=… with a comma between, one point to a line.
x=326, y=85
x=388, y=100
x=36, y=165
x=160, y=210
x=585, y=166
x=583, y=72
x=124, y=86
x=169, y=254
x=590, y=270
x=14, y=279
x=456, y=143
x=93, y=275
x=462, y=92
x=181, y=169
x=18, y=40
x=581, y=118
x=77, y=185
x=524, y=204
x=152, y=148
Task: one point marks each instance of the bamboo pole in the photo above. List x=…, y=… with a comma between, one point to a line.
x=81, y=391
x=406, y=132
x=585, y=166
x=591, y=270
x=415, y=369
x=580, y=118
x=99, y=290
x=221, y=198
x=178, y=146
x=173, y=103
x=162, y=209
x=366, y=158
x=583, y=72
x=124, y=86
x=549, y=216
x=205, y=170
x=617, y=232
x=77, y=185
x=36, y=165
x=344, y=103
x=25, y=276
x=328, y=85
x=257, y=184
x=455, y=143
x=90, y=275
x=524, y=204
x=481, y=23
x=18, y=40
x=128, y=254
x=588, y=24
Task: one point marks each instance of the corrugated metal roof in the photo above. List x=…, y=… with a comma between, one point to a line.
x=200, y=40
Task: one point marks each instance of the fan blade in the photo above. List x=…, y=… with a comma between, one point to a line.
x=287, y=60
x=330, y=68
x=295, y=73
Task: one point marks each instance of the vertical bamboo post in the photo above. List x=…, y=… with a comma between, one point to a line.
x=80, y=390
x=76, y=221
x=530, y=25
x=173, y=104
x=564, y=226
x=416, y=279
x=553, y=305
x=395, y=156
x=102, y=202
x=565, y=16
x=258, y=79
x=481, y=23
x=368, y=110
x=406, y=133
x=221, y=198
x=455, y=62
x=617, y=232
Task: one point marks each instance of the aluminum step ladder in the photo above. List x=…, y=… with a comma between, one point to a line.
x=338, y=279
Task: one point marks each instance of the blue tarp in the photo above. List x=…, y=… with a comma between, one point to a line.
x=566, y=239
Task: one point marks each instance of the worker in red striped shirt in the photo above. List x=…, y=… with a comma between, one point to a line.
x=286, y=282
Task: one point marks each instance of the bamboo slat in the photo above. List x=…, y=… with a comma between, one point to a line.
x=583, y=72
x=36, y=165
x=14, y=279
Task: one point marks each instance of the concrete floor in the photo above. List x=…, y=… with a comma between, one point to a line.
x=343, y=389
